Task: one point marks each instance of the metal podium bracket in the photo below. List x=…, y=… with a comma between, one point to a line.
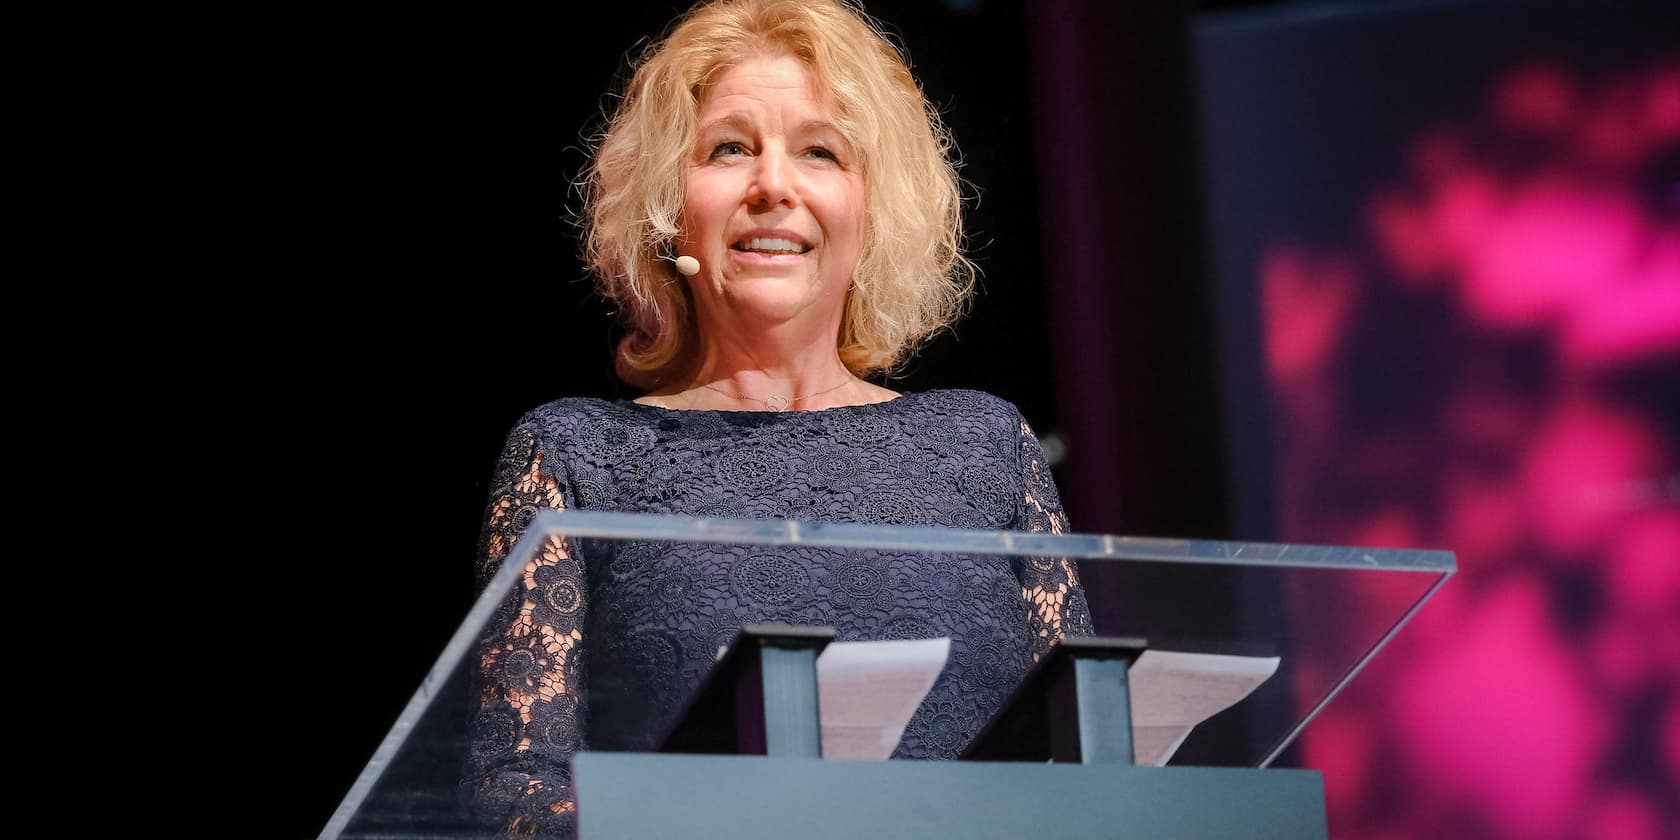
x=760, y=698
x=1074, y=705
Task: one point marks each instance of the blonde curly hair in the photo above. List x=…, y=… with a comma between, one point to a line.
x=912, y=279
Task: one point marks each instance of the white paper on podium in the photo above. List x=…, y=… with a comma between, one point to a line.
x=1172, y=691
x=867, y=691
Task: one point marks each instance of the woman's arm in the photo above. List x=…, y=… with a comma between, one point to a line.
x=528, y=686
x=1055, y=600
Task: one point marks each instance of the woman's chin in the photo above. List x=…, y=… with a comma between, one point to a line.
x=769, y=300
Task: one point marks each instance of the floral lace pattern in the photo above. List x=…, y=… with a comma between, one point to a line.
x=601, y=642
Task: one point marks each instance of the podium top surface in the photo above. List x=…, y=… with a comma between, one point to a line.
x=643, y=526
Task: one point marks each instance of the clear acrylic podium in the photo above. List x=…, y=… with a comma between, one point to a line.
x=1322, y=611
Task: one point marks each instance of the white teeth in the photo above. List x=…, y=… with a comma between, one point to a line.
x=775, y=245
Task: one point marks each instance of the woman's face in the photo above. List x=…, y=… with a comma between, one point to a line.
x=772, y=202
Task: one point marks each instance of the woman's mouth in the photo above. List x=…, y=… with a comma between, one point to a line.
x=770, y=246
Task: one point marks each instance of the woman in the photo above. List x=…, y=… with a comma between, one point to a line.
x=774, y=211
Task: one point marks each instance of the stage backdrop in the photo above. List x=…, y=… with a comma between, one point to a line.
x=1447, y=245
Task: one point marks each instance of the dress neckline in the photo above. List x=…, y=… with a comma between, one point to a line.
x=695, y=412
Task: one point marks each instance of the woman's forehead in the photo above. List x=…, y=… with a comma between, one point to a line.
x=781, y=80
x=739, y=91
x=812, y=77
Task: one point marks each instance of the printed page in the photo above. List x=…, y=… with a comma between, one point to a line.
x=867, y=691
x=1173, y=691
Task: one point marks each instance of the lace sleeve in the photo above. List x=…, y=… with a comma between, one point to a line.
x=1055, y=600
x=528, y=685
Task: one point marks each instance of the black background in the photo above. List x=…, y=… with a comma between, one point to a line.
x=288, y=273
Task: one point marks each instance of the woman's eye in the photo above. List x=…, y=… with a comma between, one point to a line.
x=824, y=153
x=729, y=148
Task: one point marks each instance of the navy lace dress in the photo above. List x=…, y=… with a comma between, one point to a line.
x=598, y=647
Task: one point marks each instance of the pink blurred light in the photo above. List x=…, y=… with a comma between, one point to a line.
x=1623, y=815
x=1619, y=653
x=1501, y=723
x=1575, y=470
x=1614, y=134
x=1549, y=247
x=1662, y=103
x=1305, y=302
x=1644, y=564
x=1541, y=97
x=1487, y=417
x=1341, y=740
x=1408, y=239
x=1669, y=732
x=1483, y=517
x=1634, y=316
x=1466, y=205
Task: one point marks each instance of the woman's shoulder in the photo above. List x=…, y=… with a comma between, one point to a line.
x=963, y=403
x=572, y=409
x=564, y=418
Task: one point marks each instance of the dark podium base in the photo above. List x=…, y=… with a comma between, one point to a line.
x=643, y=795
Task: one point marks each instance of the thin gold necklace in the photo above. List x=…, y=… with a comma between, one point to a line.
x=775, y=403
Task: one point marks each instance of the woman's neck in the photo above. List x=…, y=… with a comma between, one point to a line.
x=732, y=376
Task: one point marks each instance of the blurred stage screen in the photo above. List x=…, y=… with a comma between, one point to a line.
x=1446, y=245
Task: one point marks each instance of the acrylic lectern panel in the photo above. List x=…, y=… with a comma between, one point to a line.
x=1316, y=613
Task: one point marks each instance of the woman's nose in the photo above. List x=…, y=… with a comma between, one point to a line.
x=773, y=179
